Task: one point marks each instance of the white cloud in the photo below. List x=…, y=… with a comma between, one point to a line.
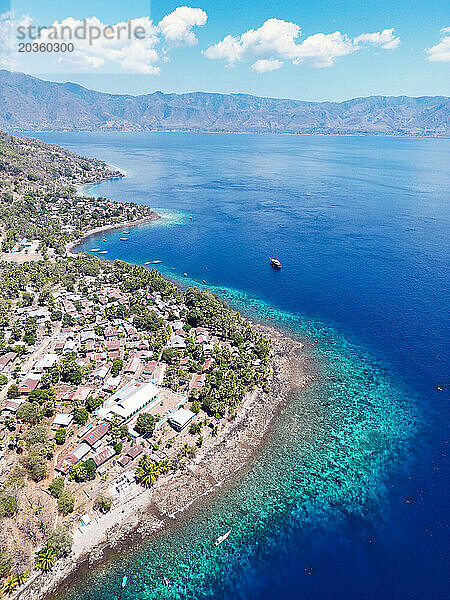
x=277, y=41
x=136, y=46
x=441, y=52
x=8, y=42
x=114, y=47
x=322, y=49
x=264, y=66
x=385, y=39
x=177, y=26
x=275, y=38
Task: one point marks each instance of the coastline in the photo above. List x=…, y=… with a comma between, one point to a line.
x=145, y=511
x=73, y=243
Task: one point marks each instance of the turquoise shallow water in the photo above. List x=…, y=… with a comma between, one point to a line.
x=347, y=498
x=327, y=461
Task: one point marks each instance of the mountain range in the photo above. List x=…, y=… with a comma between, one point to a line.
x=31, y=104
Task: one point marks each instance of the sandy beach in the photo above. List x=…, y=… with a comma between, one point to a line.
x=152, y=217
x=144, y=511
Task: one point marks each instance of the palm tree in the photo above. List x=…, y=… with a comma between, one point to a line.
x=147, y=472
x=45, y=559
x=10, y=584
x=163, y=466
x=21, y=578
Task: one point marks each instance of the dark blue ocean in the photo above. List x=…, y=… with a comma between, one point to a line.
x=361, y=227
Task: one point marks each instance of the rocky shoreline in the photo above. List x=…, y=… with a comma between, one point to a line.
x=145, y=511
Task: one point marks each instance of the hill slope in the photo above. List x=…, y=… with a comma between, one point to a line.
x=31, y=104
x=39, y=200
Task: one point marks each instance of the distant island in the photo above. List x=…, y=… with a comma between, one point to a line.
x=31, y=104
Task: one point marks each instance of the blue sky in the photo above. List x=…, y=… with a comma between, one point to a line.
x=297, y=53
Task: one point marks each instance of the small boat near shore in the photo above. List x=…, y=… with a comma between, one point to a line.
x=156, y=262
x=95, y=250
x=122, y=585
x=149, y=262
x=104, y=252
x=123, y=239
x=104, y=240
x=222, y=538
x=125, y=232
x=185, y=274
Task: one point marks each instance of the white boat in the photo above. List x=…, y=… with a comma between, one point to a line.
x=104, y=252
x=274, y=262
x=222, y=538
x=126, y=232
x=149, y=262
x=95, y=249
x=104, y=240
x=185, y=274
x=123, y=239
x=156, y=262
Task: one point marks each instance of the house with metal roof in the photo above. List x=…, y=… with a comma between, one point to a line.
x=46, y=362
x=176, y=341
x=62, y=420
x=103, y=455
x=96, y=434
x=181, y=418
x=129, y=400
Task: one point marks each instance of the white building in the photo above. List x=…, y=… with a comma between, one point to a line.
x=181, y=418
x=129, y=400
x=81, y=451
x=69, y=346
x=101, y=372
x=38, y=313
x=62, y=420
x=112, y=383
x=176, y=341
x=46, y=362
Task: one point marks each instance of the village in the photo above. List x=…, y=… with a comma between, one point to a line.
x=104, y=388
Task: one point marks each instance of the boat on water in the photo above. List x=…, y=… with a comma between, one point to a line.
x=222, y=538
x=185, y=274
x=126, y=232
x=104, y=252
x=123, y=239
x=156, y=262
x=104, y=240
x=274, y=261
x=124, y=581
x=95, y=250
x=149, y=262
